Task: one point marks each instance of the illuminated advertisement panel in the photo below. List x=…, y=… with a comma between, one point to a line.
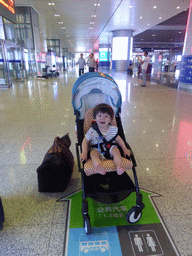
x=120, y=48
x=7, y=10
x=103, y=54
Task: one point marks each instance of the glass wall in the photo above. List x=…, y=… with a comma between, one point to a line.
x=54, y=45
x=15, y=62
x=10, y=63
x=3, y=75
x=26, y=34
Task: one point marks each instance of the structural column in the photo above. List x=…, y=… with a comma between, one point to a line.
x=185, y=79
x=122, y=49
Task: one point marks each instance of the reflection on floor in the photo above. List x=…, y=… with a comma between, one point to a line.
x=157, y=124
x=169, y=79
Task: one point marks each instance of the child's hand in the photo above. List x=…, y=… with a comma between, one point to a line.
x=126, y=152
x=83, y=156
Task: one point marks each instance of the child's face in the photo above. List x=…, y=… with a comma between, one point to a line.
x=103, y=119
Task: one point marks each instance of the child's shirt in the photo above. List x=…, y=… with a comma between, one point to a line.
x=93, y=137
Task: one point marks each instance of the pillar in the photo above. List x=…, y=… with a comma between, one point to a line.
x=122, y=49
x=185, y=79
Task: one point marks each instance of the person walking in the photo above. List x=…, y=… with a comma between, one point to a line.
x=81, y=63
x=91, y=63
x=144, y=65
x=97, y=64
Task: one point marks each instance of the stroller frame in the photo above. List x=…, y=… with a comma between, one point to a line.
x=89, y=90
x=135, y=213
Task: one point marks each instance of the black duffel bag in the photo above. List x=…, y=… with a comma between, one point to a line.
x=56, y=169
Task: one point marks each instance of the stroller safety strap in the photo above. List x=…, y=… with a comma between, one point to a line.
x=107, y=144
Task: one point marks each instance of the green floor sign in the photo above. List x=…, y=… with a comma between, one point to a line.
x=112, y=234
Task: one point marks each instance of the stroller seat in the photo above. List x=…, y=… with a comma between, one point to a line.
x=109, y=165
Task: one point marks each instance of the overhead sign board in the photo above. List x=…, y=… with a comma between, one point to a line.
x=7, y=10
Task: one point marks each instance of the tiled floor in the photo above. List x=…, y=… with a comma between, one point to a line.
x=157, y=121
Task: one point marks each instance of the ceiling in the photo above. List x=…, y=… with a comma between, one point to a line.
x=84, y=24
x=168, y=34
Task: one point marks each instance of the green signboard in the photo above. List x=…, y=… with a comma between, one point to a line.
x=103, y=56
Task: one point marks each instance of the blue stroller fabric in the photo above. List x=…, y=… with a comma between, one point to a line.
x=92, y=89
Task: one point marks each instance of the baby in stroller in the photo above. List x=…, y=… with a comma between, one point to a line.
x=103, y=139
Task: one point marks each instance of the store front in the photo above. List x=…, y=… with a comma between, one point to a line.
x=4, y=76
x=14, y=63
x=19, y=44
x=7, y=11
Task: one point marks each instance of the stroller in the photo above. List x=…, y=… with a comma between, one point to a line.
x=88, y=91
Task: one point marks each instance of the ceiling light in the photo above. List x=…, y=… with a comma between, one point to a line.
x=51, y=3
x=94, y=16
x=63, y=28
x=60, y=22
x=160, y=18
x=57, y=15
x=153, y=34
x=97, y=4
x=141, y=17
x=178, y=7
x=91, y=22
x=154, y=7
x=90, y=28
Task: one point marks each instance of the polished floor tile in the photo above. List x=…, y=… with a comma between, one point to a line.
x=157, y=124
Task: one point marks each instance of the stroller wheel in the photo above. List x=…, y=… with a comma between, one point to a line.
x=87, y=225
x=133, y=216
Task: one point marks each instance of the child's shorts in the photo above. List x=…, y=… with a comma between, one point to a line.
x=105, y=152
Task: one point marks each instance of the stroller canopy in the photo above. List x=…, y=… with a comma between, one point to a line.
x=92, y=89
